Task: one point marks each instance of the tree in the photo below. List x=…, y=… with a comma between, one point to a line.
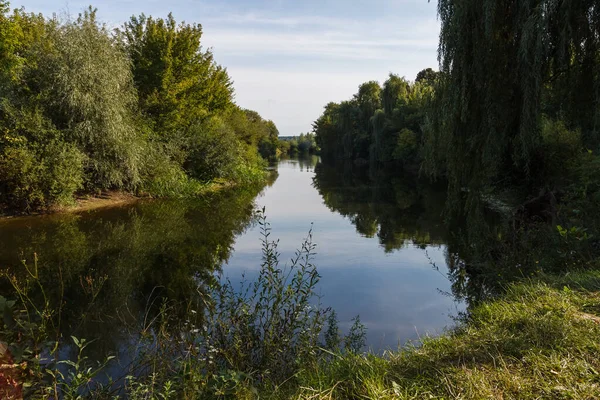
x=177, y=81
x=505, y=66
x=368, y=99
x=395, y=88
x=427, y=75
x=327, y=135
x=92, y=99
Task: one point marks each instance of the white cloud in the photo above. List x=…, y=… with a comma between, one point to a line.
x=314, y=45
x=288, y=67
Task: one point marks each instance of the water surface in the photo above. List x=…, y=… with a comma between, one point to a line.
x=381, y=253
x=380, y=249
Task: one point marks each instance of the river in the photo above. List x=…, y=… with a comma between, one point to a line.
x=381, y=254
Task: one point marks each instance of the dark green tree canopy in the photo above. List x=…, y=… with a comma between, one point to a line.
x=427, y=75
x=503, y=65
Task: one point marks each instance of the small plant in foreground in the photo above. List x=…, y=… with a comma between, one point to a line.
x=269, y=326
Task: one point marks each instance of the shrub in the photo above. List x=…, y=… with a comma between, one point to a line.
x=33, y=178
x=20, y=175
x=562, y=150
x=213, y=150
x=272, y=325
x=164, y=177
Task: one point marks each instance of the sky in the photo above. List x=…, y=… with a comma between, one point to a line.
x=289, y=58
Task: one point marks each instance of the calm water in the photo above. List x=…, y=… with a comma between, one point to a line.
x=381, y=254
x=378, y=256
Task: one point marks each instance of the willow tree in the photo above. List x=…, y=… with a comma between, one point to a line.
x=91, y=98
x=395, y=88
x=501, y=61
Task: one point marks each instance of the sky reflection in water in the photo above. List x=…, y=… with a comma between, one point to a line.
x=399, y=295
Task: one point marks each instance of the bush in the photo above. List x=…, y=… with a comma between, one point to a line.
x=63, y=172
x=213, y=150
x=407, y=145
x=562, y=150
x=38, y=168
x=20, y=175
x=272, y=325
x=31, y=179
x=163, y=177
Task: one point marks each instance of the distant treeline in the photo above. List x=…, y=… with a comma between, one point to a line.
x=303, y=144
x=379, y=124
x=144, y=108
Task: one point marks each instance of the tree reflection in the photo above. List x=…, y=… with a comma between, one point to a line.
x=109, y=271
x=403, y=211
x=399, y=212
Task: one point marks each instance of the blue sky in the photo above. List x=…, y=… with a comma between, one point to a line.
x=288, y=58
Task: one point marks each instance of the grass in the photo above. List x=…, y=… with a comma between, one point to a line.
x=541, y=340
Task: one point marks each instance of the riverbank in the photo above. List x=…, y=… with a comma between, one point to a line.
x=541, y=340
x=112, y=198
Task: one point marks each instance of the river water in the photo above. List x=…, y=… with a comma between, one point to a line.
x=381, y=254
x=383, y=263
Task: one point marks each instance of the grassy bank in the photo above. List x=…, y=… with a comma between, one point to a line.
x=540, y=340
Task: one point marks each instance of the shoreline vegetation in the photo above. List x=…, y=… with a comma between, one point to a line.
x=109, y=198
x=82, y=204
x=143, y=109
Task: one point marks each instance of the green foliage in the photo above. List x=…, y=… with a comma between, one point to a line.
x=428, y=76
x=374, y=125
x=38, y=169
x=213, y=151
x=561, y=150
x=270, y=326
x=502, y=67
x=305, y=144
x=164, y=178
x=394, y=90
x=356, y=337
x=91, y=98
x=285, y=147
x=145, y=110
x=177, y=81
x=407, y=145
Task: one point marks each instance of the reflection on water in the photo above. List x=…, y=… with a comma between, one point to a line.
x=380, y=247
x=381, y=254
x=114, y=267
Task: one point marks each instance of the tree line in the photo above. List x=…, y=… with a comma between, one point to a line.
x=510, y=122
x=143, y=108
x=379, y=124
x=304, y=144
